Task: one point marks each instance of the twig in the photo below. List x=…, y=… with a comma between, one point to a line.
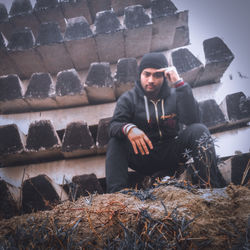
x=245, y=172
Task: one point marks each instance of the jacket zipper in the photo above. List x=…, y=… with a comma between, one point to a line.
x=157, y=117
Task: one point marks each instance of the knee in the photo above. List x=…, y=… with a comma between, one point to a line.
x=198, y=129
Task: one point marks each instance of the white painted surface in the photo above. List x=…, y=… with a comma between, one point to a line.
x=56, y=170
x=232, y=141
x=60, y=117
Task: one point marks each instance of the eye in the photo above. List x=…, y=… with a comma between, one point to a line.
x=158, y=74
x=146, y=74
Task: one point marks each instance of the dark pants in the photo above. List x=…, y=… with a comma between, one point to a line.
x=194, y=143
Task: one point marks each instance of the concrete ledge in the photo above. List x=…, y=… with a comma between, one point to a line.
x=50, y=46
x=108, y=35
x=119, y=5
x=69, y=89
x=21, y=16
x=164, y=20
x=40, y=93
x=12, y=141
x=72, y=9
x=211, y=114
x=80, y=43
x=126, y=75
x=236, y=107
x=83, y=185
x=218, y=58
x=234, y=169
x=5, y=26
x=42, y=136
x=22, y=52
x=11, y=94
x=10, y=200
x=138, y=25
x=96, y=6
x=187, y=65
x=58, y=171
x=181, y=37
x=77, y=140
x=61, y=117
x=12, y=145
x=102, y=137
x=49, y=11
x=99, y=83
x=40, y=193
x=7, y=65
x=42, y=141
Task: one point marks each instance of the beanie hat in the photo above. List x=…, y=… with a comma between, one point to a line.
x=153, y=60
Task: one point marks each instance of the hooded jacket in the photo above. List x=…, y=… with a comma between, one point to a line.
x=159, y=120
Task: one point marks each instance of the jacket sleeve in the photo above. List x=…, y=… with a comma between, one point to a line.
x=123, y=115
x=187, y=107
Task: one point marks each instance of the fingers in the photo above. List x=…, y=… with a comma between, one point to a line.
x=140, y=142
x=161, y=70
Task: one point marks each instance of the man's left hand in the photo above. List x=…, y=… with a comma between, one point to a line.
x=171, y=75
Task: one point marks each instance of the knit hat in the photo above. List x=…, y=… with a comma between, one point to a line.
x=153, y=60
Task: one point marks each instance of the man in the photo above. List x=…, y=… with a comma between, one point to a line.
x=145, y=132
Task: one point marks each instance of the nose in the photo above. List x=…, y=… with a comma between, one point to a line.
x=151, y=79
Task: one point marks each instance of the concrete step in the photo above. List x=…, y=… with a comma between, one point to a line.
x=58, y=50
x=9, y=200
x=211, y=114
x=187, y=65
x=21, y=50
x=83, y=185
x=102, y=137
x=53, y=51
x=43, y=143
x=11, y=94
x=107, y=87
x=5, y=26
x=80, y=42
x=58, y=170
x=78, y=140
x=7, y=66
x=138, y=24
x=236, y=169
x=69, y=89
x=99, y=83
x=50, y=11
x=218, y=58
x=21, y=16
x=109, y=35
x=126, y=75
x=41, y=193
x=61, y=117
x=236, y=107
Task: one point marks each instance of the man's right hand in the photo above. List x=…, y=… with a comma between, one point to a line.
x=140, y=141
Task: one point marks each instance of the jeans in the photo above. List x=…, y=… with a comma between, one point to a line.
x=193, y=143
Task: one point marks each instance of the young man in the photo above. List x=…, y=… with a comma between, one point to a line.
x=145, y=130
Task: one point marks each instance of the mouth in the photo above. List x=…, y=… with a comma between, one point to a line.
x=150, y=87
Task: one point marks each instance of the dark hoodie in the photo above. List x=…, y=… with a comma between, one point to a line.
x=159, y=120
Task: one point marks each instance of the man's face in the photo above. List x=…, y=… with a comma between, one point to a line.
x=151, y=81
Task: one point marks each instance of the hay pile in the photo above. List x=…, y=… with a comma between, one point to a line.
x=166, y=217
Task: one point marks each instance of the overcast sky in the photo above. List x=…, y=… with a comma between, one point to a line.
x=227, y=19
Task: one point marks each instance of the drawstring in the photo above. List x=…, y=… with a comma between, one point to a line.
x=162, y=109
x=146, y=108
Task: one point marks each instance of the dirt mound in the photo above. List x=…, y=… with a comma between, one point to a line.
x=165, y=217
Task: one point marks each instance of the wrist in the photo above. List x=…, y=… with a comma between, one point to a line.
x=127, y=128
x=178, y=83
